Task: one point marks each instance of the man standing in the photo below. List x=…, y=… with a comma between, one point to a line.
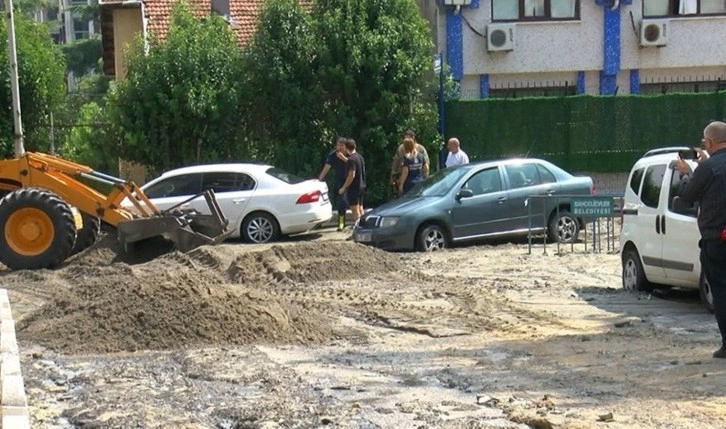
x=398, y=158
x=456, y=155
x=707, y=186
x=355, y=182
x=337, y=160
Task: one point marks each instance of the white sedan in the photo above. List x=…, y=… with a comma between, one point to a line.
x=261, y=202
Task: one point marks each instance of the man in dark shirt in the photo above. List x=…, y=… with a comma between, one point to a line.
x=337, y=160
x=706, y=185
x=355, y=182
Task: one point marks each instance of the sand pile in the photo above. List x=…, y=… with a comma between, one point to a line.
x=210, y=296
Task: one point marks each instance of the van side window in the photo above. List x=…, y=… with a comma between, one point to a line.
x=674, y=190
x=636, y=179
x=652, y=184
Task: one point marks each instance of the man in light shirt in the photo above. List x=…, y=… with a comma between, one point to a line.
x=456, y=155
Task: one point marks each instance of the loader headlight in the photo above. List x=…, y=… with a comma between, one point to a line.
x=387, y=222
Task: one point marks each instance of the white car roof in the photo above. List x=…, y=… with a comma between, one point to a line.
x=213, y=168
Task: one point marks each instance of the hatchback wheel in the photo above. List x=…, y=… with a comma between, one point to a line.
x=706, y=294
x=563, y=228
x=431, y=238
x=633, y=274
x=260, y=227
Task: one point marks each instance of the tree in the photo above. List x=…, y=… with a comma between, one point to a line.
x=180, y=102
x=374, y=59
x=40, y=76
x=282, y=92
x=356, y=68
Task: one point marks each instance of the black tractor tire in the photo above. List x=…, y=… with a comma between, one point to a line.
x=44, y=213
x=87, y=235
x=563, y=228
x=259, y=228
x=633, y=275
x=431, y=238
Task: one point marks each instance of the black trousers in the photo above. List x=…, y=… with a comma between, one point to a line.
x=713, y=264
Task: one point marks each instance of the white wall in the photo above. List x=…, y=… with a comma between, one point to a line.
x=693, y=42
x=539, y=46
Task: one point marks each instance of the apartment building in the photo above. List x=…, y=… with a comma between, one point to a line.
x=514, y=48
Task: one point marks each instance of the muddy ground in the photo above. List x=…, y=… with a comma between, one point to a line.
x=319, y=331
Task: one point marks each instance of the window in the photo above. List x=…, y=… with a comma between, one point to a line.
x=535, y=10
x=659, y=8
x=635, y=180
x=545, y=175
x=283, y=175
x=485, y=182
x=227, y=182
x=177, y=186
x=80, y=29
x=522, y=175
x=652, y=185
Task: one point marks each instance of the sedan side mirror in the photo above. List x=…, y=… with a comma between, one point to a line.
x=464, y=193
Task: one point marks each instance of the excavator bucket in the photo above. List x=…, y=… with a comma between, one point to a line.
x=187, y=229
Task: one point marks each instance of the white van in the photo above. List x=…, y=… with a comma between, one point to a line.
x=659, y=247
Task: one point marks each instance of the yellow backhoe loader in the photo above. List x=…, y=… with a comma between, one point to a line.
x=47, y=213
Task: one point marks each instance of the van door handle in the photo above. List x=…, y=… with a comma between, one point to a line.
x=662, y=224
x=239, y=200
x=657, y=224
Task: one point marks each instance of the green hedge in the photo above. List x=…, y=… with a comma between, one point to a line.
x=581, y=133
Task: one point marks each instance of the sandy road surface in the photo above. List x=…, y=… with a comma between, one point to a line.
x=323, y=332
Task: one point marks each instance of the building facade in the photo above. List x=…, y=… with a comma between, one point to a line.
x=514, y=48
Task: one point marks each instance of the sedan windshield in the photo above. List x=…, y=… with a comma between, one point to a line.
x=438, y=184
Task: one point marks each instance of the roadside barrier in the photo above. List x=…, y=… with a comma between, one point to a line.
x=589, y=208
x=14, y=403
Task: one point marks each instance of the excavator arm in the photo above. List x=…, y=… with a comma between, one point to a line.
x=42, y=187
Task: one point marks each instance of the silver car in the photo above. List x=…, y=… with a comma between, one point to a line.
x=477, y=201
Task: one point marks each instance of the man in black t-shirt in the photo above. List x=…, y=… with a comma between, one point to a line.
x=337, y=160
x=355, y=182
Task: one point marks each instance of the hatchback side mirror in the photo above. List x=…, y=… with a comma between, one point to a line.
x=464, y=193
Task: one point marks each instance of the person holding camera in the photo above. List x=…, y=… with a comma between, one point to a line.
x=706, y=185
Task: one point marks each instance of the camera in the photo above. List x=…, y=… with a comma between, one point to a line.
x=688, y=154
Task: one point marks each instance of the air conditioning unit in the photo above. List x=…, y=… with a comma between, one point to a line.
x=654, y=32
x=500, y=37
x=457, y=2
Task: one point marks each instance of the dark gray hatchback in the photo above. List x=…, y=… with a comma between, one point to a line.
x=477, y=201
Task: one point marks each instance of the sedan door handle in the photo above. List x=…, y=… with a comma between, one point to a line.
x=501, y=200
x=239, y=200
x=550, y=191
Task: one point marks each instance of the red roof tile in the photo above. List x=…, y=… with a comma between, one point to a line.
x=243, y=14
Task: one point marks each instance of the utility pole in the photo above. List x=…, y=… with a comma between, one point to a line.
x=14, y=87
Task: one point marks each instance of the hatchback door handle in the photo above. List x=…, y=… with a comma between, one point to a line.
x=239, y=200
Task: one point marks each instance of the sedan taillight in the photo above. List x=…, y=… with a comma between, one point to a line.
x=310, y=197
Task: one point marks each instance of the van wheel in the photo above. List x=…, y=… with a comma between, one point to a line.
x=706, y=294
x=633, y=274
x=563, y=228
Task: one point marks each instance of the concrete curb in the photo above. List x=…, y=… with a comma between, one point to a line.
x=14, y=404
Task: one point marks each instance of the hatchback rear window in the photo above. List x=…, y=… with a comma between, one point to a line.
x=283, y=175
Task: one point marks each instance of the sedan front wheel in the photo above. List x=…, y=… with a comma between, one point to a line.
x=431, y=238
